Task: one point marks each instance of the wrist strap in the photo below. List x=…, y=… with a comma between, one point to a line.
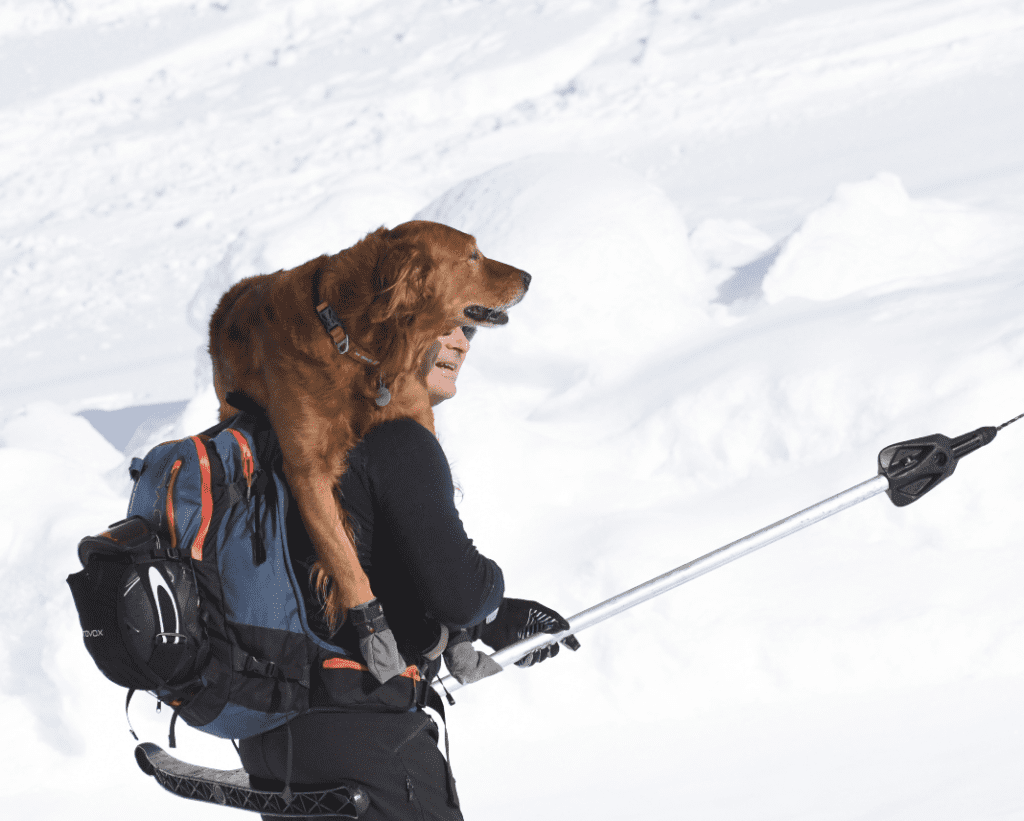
x=368, y=619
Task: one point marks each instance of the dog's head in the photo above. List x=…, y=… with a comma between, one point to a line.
x=429, y=279
x=431, y=271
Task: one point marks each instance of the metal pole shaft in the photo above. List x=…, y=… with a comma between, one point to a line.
x=691, y=570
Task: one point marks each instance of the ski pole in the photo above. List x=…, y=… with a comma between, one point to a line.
x=906, y=471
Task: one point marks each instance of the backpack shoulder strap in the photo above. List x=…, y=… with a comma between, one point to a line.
x=246, y=406
x=245, y=403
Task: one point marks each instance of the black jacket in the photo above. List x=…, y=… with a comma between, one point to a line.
x=398, y=495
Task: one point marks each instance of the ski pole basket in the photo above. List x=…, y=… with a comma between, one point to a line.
x=232, y=788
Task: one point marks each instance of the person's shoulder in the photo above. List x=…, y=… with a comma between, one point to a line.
x=400, y=435
x=403, y=449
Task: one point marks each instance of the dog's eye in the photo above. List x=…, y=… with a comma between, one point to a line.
x=469, y=331
x=475, y=256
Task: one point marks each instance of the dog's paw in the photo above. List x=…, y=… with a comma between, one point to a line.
x=467, y=664
x=376, y=641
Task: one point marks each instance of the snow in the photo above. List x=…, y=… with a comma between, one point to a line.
x=583, y=226
x=767, y=240
x=871, y=234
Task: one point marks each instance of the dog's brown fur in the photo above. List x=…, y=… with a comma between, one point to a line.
x=395, y=291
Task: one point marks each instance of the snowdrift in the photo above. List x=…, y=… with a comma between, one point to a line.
x=614, y=277
x=873, y=235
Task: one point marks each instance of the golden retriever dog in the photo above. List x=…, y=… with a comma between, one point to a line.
x=340, y=344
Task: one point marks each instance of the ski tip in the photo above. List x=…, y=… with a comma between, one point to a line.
x=142, y=753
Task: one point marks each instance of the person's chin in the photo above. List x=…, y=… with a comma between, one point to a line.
x=440, y=393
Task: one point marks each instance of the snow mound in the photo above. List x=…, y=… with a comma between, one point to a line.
x=872, y=234
x=607, y=249
x=52, y=493
x=43, y=427
x=336, y=222
x=721, y=243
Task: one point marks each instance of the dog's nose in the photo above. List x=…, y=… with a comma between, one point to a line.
x=526, y=279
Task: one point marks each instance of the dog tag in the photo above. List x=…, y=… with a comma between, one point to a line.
x=383, y=395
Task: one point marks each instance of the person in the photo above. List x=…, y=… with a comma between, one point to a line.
x=436, y=590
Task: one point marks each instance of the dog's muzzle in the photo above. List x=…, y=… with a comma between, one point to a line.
x=488, y=316
x=497, y=316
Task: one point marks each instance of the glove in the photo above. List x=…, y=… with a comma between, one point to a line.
x=376, y=641
x=518, y=619
x=466, y=664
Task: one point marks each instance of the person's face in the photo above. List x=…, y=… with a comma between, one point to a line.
x=441, y=378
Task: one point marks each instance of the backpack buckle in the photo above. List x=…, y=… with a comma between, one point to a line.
x=251, y=664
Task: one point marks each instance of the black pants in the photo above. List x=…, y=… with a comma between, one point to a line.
x=393, y=755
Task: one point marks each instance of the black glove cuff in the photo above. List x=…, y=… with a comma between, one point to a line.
x=459, y=637
x=368, y=619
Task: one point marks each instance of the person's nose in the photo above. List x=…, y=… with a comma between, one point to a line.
x=458, y=342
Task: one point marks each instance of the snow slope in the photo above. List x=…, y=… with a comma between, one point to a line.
x=767, y=239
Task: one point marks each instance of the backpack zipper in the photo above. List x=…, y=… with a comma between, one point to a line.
x=206, y=500
x=248, y=463
x=170, y=503
x=259, y=550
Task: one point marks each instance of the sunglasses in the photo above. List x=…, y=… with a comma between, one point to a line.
x=469, y=331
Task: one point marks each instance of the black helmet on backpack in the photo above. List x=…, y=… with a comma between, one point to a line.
x=138, y=605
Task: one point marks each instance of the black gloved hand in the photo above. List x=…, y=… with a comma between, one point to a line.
x=518, y=619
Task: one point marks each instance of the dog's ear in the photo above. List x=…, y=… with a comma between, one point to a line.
x=401, y=281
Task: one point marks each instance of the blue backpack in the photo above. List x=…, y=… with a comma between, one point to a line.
x=193, y=595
